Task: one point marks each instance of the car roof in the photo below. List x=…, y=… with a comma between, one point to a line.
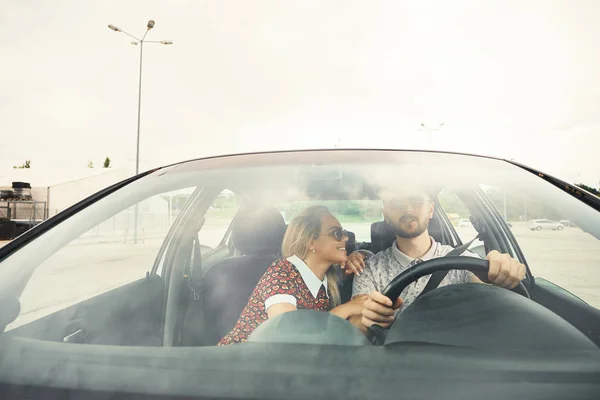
x=283, y=153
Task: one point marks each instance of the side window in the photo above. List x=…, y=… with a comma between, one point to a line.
x=458, y=214
x=549, y=246
x=218, y=218
x=116, y=252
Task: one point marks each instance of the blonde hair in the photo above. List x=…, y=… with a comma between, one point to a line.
x=304, y=228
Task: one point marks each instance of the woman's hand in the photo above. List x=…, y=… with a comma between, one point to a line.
x=352, y=308
x=355, y=263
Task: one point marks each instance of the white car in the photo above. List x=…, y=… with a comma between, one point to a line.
x=567, y=223
x=539, y=224
x=465, y=223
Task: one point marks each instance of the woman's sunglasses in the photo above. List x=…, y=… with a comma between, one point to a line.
x=338, y=233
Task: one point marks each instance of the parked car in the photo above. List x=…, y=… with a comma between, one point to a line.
x=93, y=305
x=540, y=224
x=465, y=223
x=567, y=223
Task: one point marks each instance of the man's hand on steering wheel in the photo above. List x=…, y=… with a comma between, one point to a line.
x=378, y=309
x=505, y=271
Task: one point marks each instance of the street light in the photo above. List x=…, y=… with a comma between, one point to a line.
x=431, y=129
x=141, y=42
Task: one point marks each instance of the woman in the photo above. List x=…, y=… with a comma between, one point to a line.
x=304, y=278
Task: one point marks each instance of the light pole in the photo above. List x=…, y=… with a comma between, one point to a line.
x=431, y=129
x=141, y=42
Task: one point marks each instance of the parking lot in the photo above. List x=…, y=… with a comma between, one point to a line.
x=568, y=258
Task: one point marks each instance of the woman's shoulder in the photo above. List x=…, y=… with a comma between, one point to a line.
x=282, y=270
x=280, y=275
x=281, y=267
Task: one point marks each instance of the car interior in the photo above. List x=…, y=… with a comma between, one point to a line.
x=254, y=244
x=209, y=302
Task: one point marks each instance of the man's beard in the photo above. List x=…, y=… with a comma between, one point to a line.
x=420, y=228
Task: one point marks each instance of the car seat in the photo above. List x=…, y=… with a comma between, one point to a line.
x=257, y=235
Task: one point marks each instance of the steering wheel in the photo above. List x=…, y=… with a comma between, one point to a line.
x=376, y=333
x=405, y=278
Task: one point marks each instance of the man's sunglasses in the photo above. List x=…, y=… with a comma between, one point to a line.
x=401, y=204
x=338, y=233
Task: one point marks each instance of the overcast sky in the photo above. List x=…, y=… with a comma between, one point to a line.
x=514, y=79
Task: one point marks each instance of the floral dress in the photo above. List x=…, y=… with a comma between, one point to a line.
x=281, y=278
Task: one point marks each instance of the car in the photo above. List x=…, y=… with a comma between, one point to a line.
x=124, y=296
x=465, y=223
x=567, y=223
x=539, y=224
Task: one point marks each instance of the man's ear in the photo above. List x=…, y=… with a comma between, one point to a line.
x=431, y=207
x=385, y=216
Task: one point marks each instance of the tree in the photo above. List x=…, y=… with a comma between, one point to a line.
x=451, y=203
x=107, y=163
x=224, y=201
x=27, y=164
x=522, y=203
x=589, y=189
x=90, y=164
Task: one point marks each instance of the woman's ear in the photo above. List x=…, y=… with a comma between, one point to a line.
x=312, y=247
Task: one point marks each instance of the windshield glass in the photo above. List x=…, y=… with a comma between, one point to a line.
x=189, y=231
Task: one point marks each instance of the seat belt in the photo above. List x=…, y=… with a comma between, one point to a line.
x=376, y=334
x=193, y=294
x=438, y=277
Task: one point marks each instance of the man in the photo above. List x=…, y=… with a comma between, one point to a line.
x=409, y=213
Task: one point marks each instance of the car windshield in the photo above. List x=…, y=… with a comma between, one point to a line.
x=165, y=258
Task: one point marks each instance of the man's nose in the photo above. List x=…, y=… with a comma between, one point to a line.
x=407, y=206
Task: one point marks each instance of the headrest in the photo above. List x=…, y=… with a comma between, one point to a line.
x=435, y=229
x=382, y=236
x=351, y=243
x=258, y=230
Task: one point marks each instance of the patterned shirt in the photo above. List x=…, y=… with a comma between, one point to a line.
x=282, y=282
x=381, y=268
